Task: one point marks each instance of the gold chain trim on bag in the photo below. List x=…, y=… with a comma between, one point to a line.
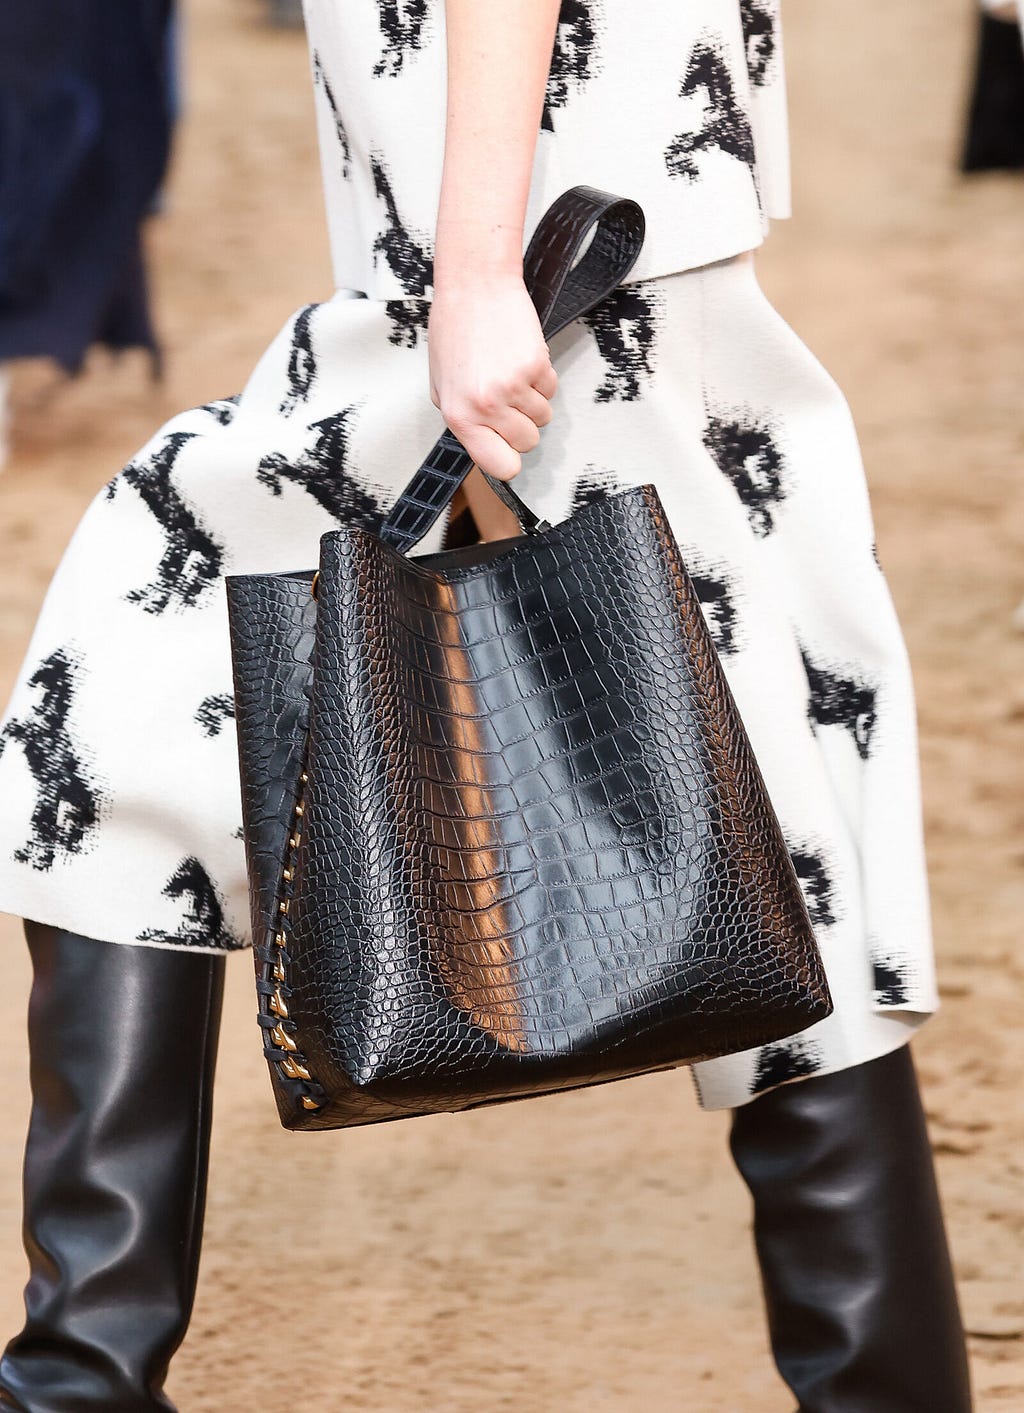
x=280, y=1047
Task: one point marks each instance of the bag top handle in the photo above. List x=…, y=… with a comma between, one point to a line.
x=563, y=285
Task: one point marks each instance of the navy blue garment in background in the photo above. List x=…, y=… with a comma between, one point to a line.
x=85, y=122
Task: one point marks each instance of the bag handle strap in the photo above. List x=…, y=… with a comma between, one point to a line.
x=563, y=285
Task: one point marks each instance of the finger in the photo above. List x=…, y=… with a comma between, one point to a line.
x=546, y=382
x=518, y=430
x=534, y=405
x=489, y=451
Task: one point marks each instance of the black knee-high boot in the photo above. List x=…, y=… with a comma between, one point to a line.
x=123, y=1044
x=862, y=1308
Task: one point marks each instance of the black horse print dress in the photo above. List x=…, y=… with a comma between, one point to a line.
x=119, y=801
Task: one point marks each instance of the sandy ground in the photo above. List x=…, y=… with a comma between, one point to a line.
x=591, y=1253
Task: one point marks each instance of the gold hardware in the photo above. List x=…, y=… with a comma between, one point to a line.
x=315, y=584
x=283, y=1040
x=289, y=1063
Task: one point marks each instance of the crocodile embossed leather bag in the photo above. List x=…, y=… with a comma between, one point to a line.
x=505, y=831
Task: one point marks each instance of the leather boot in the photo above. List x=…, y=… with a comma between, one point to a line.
x=123, y=1044
x=862, y=1308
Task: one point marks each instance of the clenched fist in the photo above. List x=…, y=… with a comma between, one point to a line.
x=490, y=369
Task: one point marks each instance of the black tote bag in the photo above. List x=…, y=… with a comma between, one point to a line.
x=505, y=831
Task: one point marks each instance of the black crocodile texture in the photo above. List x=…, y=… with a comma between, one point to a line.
x=537, y=849
x=564, y=284
x=273, y=622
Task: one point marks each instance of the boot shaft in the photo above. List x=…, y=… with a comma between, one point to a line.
x=123, y=1046
x=862, y=1306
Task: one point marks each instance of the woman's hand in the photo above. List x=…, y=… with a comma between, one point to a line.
x=490, y=369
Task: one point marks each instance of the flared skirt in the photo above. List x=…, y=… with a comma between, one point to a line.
x=120, y=815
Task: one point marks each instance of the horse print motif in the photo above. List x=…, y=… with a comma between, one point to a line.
x=202, y=922
x=725, y=125
x=889, y=982
x=67, y=807
x=758, y=18
x=408, y=319
x=574, y=57
x=835, y=700
x=191, y=561
x=789, y=1059
x=320, y=470
x=301, y=372
x=716, y=600
x=625, y=328
x=213, y=711
x=593, y=486
x=746, y=448
x=410, y=260
x=322, y=81
x=403, y=24
x=815, y=880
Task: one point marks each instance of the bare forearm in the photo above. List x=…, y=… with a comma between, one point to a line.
x=490, y=369
x=499, y=52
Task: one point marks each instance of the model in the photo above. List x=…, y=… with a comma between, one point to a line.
x=445, y=130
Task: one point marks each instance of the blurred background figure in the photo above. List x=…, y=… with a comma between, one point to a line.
x=995, y=122
x=86, y=108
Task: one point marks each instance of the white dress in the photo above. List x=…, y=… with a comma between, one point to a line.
x=119, y=804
